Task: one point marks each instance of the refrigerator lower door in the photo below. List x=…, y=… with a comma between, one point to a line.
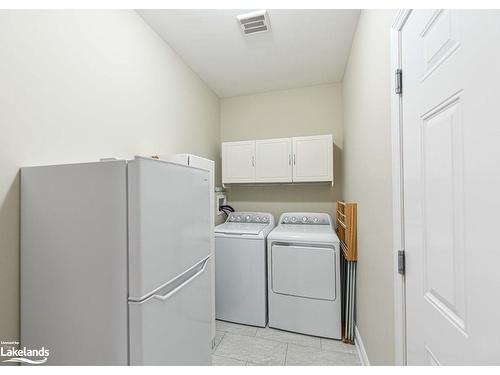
x=173, y=326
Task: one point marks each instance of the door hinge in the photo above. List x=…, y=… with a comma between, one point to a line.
x=399, y=81
x=401, y=262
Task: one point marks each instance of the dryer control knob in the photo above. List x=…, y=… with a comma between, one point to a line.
x=294, y=219
x=248, y=218
x=315, y=219
x=304, y=219
x=286, y=219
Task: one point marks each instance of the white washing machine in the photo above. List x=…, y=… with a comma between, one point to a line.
x=304, y=275
x=240, y=268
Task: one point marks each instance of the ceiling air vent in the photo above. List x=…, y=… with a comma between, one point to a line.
x=254, y=22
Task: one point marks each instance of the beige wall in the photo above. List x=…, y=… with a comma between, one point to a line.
x=81, y=85
x=367, y=179
x=310, y=110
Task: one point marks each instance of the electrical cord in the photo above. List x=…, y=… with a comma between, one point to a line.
x=225, y=212
x=227, y=207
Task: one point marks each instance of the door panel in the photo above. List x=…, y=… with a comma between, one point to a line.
x=313, y=158
x=451, y=184
x=273, y=160
x=439, y=39
x=169, y=222
x=238, y=162
x=443, y=253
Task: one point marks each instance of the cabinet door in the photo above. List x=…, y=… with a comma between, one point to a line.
x=238, y=162
x=313, y=158
x=273, y=160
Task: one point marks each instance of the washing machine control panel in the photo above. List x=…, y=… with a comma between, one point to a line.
x=305, y=218
x=250, y=217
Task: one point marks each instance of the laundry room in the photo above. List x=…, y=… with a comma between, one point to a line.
x=182, y=186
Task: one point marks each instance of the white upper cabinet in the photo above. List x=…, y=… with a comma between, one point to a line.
x=238, y=162
x=282, y=160
x=273, y=160
x=313, y=158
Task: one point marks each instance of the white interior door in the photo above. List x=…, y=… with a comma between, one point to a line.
x=451, y=163
x=313, y=158
x=273, y=160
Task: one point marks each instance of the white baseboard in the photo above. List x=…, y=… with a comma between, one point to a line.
x=360, y=347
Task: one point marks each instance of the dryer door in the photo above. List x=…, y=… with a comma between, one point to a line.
x=304, y=271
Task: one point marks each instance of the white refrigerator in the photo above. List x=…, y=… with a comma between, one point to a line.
x=116, y=263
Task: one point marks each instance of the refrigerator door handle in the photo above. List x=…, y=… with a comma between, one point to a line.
x=188, y=277
x=185, y=280
x=177, y=284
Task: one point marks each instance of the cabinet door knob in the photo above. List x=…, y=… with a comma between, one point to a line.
x=253, y=161
x=293, y=159
x=289, y=159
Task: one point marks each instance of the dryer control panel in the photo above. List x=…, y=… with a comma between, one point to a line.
x=308, y=218
x=250, y=217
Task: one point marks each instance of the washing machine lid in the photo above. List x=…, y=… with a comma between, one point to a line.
x=240, y=228
x=303, y=233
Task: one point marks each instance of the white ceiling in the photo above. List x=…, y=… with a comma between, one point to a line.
x=304, y=47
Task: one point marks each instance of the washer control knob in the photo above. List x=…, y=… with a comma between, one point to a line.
x=248, y=218
x=294, y=219
x=304, y=219
x=238, y=218
x=315, y=220
x=286, y=219
x=265, y=219
x=257, y=219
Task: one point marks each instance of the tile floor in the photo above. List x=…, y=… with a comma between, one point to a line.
x=240, y=345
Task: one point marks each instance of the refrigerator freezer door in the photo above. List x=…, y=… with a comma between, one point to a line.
x=202, y=163
x=173, y=326
x=169, y=223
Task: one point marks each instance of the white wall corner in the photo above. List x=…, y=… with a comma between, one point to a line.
x=360, y=347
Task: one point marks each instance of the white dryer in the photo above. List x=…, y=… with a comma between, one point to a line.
x=240, y=268
x=304, y=275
